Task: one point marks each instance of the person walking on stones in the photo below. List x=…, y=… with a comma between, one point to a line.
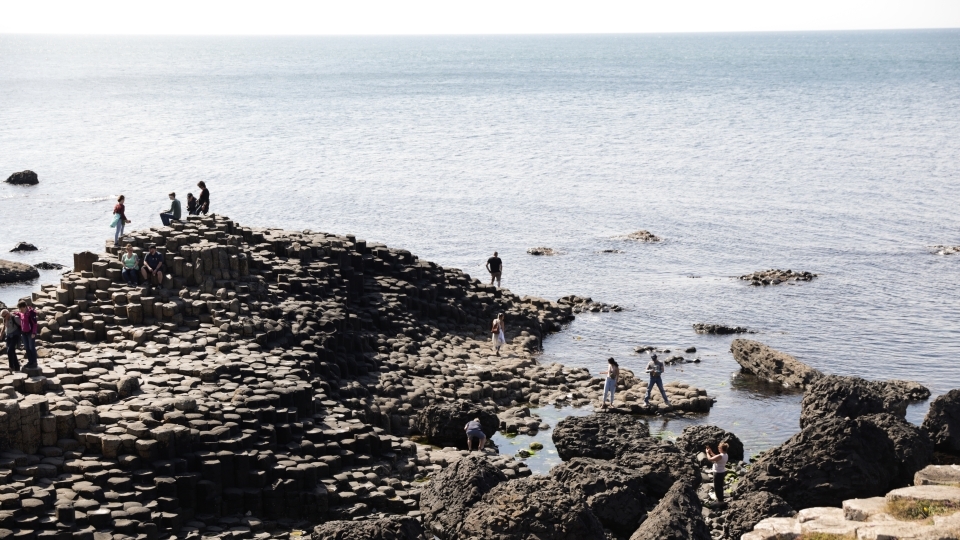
x=191, y=205
x=497, y=330
x=10, y=333
x=475, y=430
x=495, y=267
x=173, y=213
x=655, y=369
x=610, y=384
x=119, y=219
x=719, y=468
x=28, y=332
x=131, y=266
x=203, y=203
x=152, y=270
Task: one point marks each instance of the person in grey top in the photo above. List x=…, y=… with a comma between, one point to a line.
x=173, y=214
x=655, y=368
x=475, y=430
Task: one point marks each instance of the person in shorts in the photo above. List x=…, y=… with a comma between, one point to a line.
x=475, y=430
x=495, y=267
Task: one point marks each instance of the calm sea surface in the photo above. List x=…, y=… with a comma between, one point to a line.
x=835, y=153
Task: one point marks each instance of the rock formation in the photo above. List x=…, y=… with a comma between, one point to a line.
x=943, y=422
x=23, y=246
x=776, y=277
x=450, y=494
x=643, y=236
x=772, y=365
x=540, y=251
x=442, y=424
x=23, y=178
x=390, y=528
x=746, y=511
x=676, y=517
x=14, y=272
x=48, y=266
x=580, y=304
x=599, y=435
x=695, y=438
x=720, y=329
x=617, y=494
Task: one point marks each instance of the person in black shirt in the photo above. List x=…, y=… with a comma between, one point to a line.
x=191, y=205
x=494, y=266
x=203, y=203
x=152, y=269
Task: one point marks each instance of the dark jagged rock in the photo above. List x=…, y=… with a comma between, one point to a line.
x=534, y=507
x=678, y=516
x=942, y=422
x=14, y=272
x=23, y=246
x=694, y=439
x=660, y=464
x=582, y=304
x=449, y=495
x=851, y=397
x=599, y=435
x=720, y=329
x=390, y=528
x=616, y=494
x=442, y=424
x=840, y=458
x=909, y=390
x=540, y=251
x=23, y=178
x=746, y=511
x=48, y=266
x=643, y=236
x=772, y=365
x=776, y=277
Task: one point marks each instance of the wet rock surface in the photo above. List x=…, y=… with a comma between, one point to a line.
x=720, y=329
x=694, y=439
x=14, y=272
x=772, y=365
x=776, y=277
x=23, y=246
x=945, y=250
x=678, y=516
x=942, y=422
x=48, y=266
x=23, y=178
x=581, y=304
x=643, y=236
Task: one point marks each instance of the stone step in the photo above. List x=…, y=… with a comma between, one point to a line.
x=941, y=475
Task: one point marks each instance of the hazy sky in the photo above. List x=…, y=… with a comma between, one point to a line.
x=466, y=16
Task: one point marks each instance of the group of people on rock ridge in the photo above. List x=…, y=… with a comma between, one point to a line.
x=195, y=206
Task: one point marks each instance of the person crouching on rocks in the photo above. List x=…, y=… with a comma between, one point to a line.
x=192, y=209
x=610, y=385
x=497, y=330
x=655, y=369
x=10, y=333
x=719, y=468
x=475, y=430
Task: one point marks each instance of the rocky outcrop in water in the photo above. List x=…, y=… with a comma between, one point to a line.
x=542, y=251
x=694, y=439
x=720, y=329
x=580, y=304
x=48, y=266
x=14, y=272
x=943, y=422
x=23, y=246
x=772, y=365
x=23, y=178
x=776, y=277
x=945, y=250
x=677, y=517
x=643, y=236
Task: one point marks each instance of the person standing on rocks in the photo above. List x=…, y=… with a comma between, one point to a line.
x=497, y=330
x=203, y=203
x=719, y=468
x=152, y=270
x=475, y=430
x=173, y=213
x=10, y=333
x=28, y=330
x=131, y=266
x=610, y=385
x=495, y=267
x=119, y=213
x=655, y=368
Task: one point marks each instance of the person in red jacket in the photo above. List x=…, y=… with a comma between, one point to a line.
x=29, y=328
x=120, y=209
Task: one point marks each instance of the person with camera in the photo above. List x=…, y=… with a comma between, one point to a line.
x=655, y=368
x=719, y=468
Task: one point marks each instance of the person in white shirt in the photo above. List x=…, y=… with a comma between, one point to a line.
x=497, y=330
x=719, y=468
x=610, y=384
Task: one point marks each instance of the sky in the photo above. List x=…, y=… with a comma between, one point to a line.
x=378, y=17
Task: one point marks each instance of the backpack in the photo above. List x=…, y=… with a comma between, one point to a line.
x=15, y=334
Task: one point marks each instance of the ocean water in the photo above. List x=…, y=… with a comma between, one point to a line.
x=835, y=153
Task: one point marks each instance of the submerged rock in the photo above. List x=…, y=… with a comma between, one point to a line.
x=945, y=250
x=942, y=422
x=776, y=277
x=449, y=495
x=14, y=272
x=720, y=329
x=772, y=365
x=599, y=435
x=643, y=236
x=694, y=439
x=442, y=423
x=533, y=507
x=48, y=266
x=540, y=251
x=23, y=178
x=388, y=528
x=580, y=304
x=678, y=516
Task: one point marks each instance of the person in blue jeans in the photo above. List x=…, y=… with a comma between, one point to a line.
x=655, y=369
x=29, y=328
x=131, y=266
x=610, y=384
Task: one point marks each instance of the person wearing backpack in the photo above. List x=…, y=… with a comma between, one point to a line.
x=28, y=329
x=496, y=328
x=10, y=333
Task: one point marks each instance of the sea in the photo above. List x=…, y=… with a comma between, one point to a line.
x=835, y=153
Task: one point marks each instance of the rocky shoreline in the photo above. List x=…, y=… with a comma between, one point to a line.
x=271, y=384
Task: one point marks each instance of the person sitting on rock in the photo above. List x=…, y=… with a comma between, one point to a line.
x=173, y=213
x=192, y=208
x=152, y=270
x=610, y=384
x=655, y=368
x=475, y=430
x=496, y=328
x=719, y=468
x=10, y=334
x=131, y=266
